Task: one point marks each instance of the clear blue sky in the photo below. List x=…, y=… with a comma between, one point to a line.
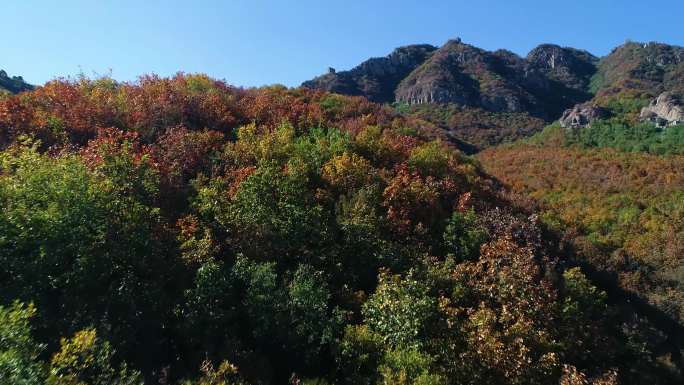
x=256, y=42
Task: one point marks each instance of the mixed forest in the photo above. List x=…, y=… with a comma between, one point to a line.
x=184, y=231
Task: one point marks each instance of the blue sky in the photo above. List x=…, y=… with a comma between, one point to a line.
x=257, y=42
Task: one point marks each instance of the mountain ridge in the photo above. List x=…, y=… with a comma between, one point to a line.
x=14, y=84
x=460, y=73
x=549, y=83
x=363, y=79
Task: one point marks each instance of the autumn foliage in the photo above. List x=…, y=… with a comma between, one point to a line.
x=180, y=230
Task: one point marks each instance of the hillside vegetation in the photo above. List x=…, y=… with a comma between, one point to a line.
x=180, y=230
x=615, y=183
x=615, y=190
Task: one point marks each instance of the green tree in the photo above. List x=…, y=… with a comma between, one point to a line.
x=86, y=360
x=19, y=352
x=87, y=245
x=313, y=323
x=463, y=235
x=409, y=367
x=211, y=314
x=401, y=311
x=432, y=158
x=358, y=355
x=274, y=213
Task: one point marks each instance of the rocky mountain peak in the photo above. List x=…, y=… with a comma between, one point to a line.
x=569, y=66
x=14, y=84
x=375, y=78
x=545, y=84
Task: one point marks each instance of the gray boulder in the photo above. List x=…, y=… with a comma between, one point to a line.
x=665, y=110
x=582, y=115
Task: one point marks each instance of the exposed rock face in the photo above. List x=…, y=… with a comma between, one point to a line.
x=545, y=83
x=440, y=80
x=375, y=78
x=582, y=115
x=571, y=67
x=461, y=74
x=523, y=72
x=667, y=109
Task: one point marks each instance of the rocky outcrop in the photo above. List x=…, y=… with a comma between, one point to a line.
x=14, y=84
x=461, y=74
x=665, y=110
x=376, y=78
x=544, y=84
x=442, y=79
x=571, y=67
x=582, y=115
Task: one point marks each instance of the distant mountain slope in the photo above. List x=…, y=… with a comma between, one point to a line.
x=465, y=75
x=631, y=77
x=14, y=84
x=571, y=67
x=488, y=97
x=549, y=80
x=375, y=78
x=609, y=177
x=501, y=81
x=650, y=68
x=459, y=82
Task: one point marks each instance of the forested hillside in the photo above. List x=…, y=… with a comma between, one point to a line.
x=615, y=192
x=180, y=230
x=612, y=181
x=609, y=177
